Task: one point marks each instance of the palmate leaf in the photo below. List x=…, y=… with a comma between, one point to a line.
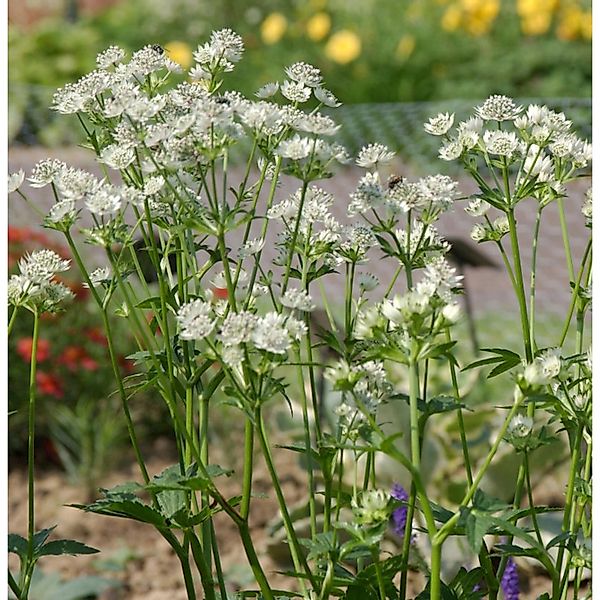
x=70, y=547
x=365, y=585
x=17, y=545
x=504, y=361
x=125, y=506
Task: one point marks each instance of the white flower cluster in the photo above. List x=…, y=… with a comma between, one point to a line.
x=544, y=369
x=536, y=129
x=493, y=231
x=273, y=332
x=35, y=284
x=428, y=196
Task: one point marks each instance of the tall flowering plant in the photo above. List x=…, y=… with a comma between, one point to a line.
x=219, y=302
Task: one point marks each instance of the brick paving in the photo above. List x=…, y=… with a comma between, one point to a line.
x=489, y=288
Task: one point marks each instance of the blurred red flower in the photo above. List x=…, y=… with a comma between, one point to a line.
x=74, y=357
x=49, y=384
x=25, y=346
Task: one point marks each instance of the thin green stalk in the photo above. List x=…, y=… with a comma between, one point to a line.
x=28, y=563
x=294, y=238
x=565, y=236
x=534, y=519
x=436, y=571
x=208, y=584
x=446, y=529
x=113, y=358
x=573, y=474
x=575, y=293
x=378, y=573
x=217, y=559
x=514, y=241
x=534, y=247
x=248, y=468
x=12, y=584
x=12, y=320
x=296, y=551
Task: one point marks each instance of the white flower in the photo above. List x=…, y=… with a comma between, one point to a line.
x=297, y=329
x=478, y=233
x=295, y=148
x=451, y=312
x=251, y=247
x=297, y=299
x=369, y=194
x=15, y=180
x=305, y=74
x=520, y=426
x=477, y=207
x=550, y=363
x=110, y=57
x=63, y=210
x=40, y=266
x=318, y=124
x=498, y=108
x=45, y=172
x=295, y=91
x=267, y=90
x=227, y=43
x=100, y=276
x=587, y=208
x=374, y=154
x=117, y=156
x=326, y=97
x=440, y=124
x=233, y=356
x=451, y=150
x=194, y=319
x=104, y=202
x=271, y=334
x=237, y=328
x=367, y=282
x=502, y=143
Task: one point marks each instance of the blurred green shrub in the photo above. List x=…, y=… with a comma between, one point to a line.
x=368, y=51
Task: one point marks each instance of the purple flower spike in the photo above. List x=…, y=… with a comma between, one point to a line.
x=399, y=514
x=510, y=581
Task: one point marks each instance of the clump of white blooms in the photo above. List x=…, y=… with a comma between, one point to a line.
x=371, y=507
x=498, y=108
x=35, y=285
x=520, y=426
x=195, y=320
x=15, y=180
x=297, y=299
x=440, y=124
x=373, y=155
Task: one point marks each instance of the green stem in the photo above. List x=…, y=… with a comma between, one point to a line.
x=28, y=565
x=12, y=320
x=378, y=573
x=296, y=551
x=208, y=584
x=565, y=236
x=575, y=293
x=534, y=519
x=534, y=247
x=248, y=468
x=514, y=241
x=436, y=571
x=573, y=474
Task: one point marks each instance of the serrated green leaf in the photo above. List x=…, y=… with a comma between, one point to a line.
x=71, y=547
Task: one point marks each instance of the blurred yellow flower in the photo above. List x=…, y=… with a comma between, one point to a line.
x=180, y=53
x=406, y=46
x=586, y=24
x=536, y=23
x=570, y=23
x=452, y=18
x=318, y=26
x=343, y=46
x=273, y=28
